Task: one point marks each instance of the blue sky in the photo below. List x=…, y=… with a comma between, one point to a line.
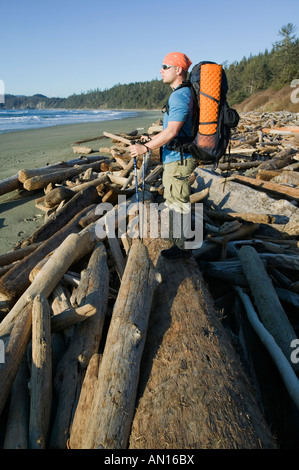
x=58, y=48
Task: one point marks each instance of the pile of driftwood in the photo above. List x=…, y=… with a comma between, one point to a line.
x=104, y=344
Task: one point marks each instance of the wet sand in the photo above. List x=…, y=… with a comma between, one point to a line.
x=19, y=217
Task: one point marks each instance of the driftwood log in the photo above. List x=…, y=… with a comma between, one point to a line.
x=93, y=290
x=15, y=350
x=72, y=248
x=266, y=299
x=61, y=218
x=37, y=182
x=114, y=397
x=16, y=433
x=9, y=184
x=41, y=374
x=193, y=391
x=16, y=280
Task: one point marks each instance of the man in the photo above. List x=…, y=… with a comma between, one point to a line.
x=177, y=168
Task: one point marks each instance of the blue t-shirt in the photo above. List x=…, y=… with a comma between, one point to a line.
x=180, y=109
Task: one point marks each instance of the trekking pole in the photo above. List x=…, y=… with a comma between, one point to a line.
x=136, y=190
x=143, y=188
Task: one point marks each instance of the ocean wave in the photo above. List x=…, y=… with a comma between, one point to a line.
x=18, y=119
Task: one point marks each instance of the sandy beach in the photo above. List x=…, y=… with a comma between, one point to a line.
x=36, y=148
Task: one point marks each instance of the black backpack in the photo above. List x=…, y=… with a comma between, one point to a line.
x=228, y=118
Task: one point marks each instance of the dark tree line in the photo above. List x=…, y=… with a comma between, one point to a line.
x=273, y=69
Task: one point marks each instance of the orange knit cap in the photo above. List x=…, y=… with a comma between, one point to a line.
x=177, y=59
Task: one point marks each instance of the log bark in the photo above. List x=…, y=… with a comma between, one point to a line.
x=9, y=184
x=267, y=302
x=14, y=353
x=114, y=398
x=84, y=408
x=16, y=255
x=85, y=342
x=72, y=248
x=193, y=392
x=16, y=431
x=41, y=374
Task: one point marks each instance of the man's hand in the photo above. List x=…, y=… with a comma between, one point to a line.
x=137, y=150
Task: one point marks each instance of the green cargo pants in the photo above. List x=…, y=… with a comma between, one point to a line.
x=177, y=190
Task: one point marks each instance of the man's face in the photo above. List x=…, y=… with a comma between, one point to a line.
x=168, y=73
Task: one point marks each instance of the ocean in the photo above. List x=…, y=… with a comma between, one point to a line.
x=12, y=120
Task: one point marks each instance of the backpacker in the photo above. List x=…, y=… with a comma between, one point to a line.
x=213, y=119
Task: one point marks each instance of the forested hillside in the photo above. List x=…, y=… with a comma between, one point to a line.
x=270, y=69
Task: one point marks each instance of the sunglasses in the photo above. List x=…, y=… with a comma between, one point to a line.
x=166, y=67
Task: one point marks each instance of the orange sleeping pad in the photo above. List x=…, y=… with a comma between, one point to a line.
x=210, y=87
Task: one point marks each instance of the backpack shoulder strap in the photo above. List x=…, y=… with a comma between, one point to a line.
x=185, y=83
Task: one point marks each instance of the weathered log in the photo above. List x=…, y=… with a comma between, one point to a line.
x=193, y=392
x=41, y=374
x=114, y=398
x=16, y=255
x=83, y=141
x=73, y=247
x=15, y=350
x=267, y=302
x=62, y=217
x=266, y=175
x=117, y=137
x=16, y=431
x=16, y=280
x=9, y=184
x=287, y=177
x=85, y=342
x=84, y=407
x=95, y=182
x=80, y=149
x=119, y=259
x=25, y=174
x=238, y=165
x=285, y=295
x=37, y=182
x=276, y=188
x=71, y=316
x=54, y=197
x=287, y=373
x=242, y=232
x=246, y=216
